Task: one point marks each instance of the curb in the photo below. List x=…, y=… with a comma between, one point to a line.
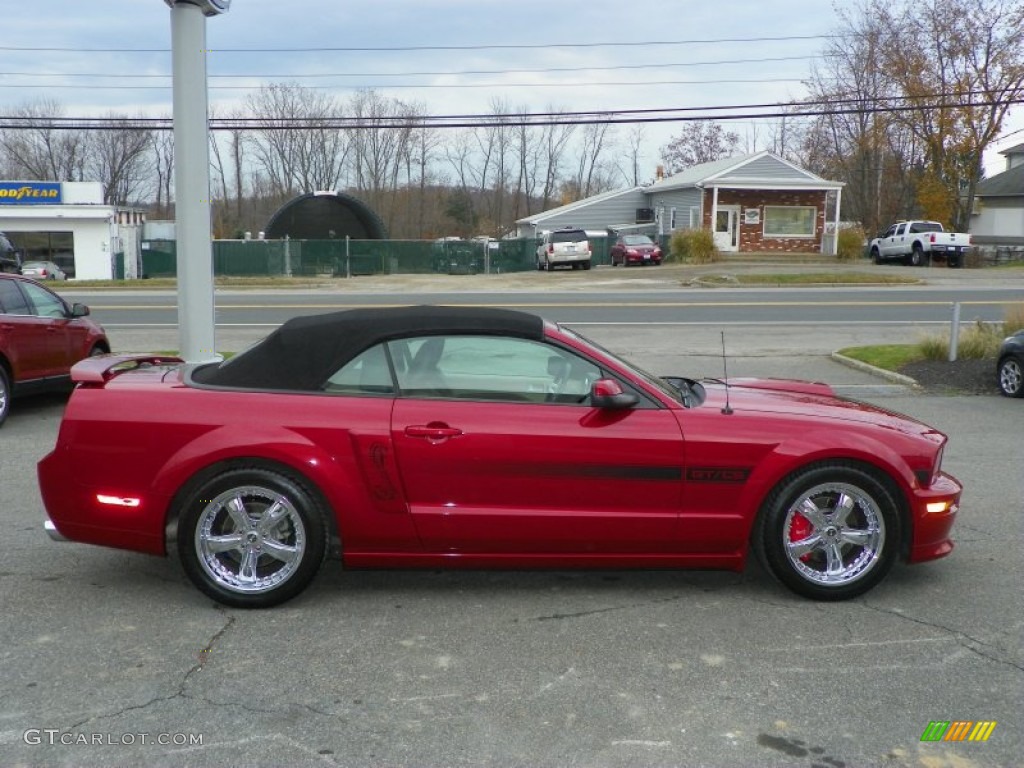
x=897, y=378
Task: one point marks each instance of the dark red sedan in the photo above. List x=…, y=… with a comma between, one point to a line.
x=443, y=437
x=635, y=249
x=41, y=337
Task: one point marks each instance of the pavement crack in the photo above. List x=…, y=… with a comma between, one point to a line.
x=204, y=654
x=180, y=692
x=967, y=642
x=609, y=609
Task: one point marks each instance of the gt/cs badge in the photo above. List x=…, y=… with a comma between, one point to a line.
x=727, y=475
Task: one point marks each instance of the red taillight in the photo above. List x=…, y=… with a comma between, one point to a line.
x=42, y=273
x=932, y=238
x=590, y=248
x=551, y=248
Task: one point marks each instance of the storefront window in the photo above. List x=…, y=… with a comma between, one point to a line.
x=790, y=221
x=58, y=247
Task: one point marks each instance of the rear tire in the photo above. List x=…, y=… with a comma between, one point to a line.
x=917, y=258
x=251, y=538
x=829, y=532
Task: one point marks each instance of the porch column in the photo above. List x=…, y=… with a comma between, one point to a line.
x=714, y=209
x=839, y=204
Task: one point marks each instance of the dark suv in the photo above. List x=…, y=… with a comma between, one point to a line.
x=10, y=259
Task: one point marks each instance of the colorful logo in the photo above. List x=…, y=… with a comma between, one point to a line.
x=958, y=730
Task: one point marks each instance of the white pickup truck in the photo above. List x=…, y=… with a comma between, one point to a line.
x=917, y=243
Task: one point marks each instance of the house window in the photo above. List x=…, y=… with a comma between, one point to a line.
x=695, y=222
x=790, y=221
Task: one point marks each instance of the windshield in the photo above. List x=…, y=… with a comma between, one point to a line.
x=637, y=240
x=656, y=382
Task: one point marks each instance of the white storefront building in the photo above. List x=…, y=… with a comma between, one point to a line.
x=68, y=223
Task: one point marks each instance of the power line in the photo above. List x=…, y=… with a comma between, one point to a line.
x=437, y=73
x=408, y=122
x=414, y=48
x=431, y=86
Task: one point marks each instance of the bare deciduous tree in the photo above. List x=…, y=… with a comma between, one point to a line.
x=42, y=150
x=119, y=158
x=700, y=141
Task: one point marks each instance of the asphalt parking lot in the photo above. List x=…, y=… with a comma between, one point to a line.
x=112, y=658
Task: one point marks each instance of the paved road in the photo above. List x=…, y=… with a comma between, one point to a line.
x=825, y=305
x=514, y=669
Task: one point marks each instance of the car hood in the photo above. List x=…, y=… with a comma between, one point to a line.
x=806, y=399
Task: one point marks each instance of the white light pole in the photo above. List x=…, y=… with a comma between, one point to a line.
x=192, y=176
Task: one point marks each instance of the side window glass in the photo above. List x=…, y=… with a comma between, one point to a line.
x=12, y=300
x=496, y=368
x=46, y=304
x=365, y=374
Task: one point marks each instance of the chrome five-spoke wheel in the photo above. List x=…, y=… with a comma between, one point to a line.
x=835, y=533
x=829, y=532
x=251, y=538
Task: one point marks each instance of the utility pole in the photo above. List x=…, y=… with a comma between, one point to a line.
x=192, y=177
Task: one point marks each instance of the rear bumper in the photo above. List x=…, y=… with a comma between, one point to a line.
x=52, y=532
x=568, y=258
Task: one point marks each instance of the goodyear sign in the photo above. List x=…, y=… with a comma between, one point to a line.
x=30, y=192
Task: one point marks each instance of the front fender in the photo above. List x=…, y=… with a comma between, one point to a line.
x=817, y=446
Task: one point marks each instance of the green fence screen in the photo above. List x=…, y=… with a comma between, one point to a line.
x=340, y=258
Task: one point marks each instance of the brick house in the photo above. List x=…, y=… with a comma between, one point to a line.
x=757, y=203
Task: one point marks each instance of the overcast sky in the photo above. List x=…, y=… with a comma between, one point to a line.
x=710, y=54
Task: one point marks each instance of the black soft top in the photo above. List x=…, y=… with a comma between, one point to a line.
x=304, y=352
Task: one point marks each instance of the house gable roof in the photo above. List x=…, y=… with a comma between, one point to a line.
x=1006, y=184
x=551, y=213
x=761, y=170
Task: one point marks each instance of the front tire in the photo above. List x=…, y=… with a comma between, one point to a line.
x=829, y=532
x=877, y=256
x=1011, y=377
x=251, y=538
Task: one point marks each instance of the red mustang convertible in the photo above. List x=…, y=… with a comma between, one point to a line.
x=482, y=438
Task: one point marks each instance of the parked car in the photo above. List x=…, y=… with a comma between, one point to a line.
x=635, y=249
x=41, y=337
x=465, y=437
x=10, y=258
x=569, y=245
x=917, y=243
x=1010, y=365
x=43, y=270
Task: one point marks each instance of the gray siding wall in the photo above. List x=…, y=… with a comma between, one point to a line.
x=680, y=199
x=596, y=216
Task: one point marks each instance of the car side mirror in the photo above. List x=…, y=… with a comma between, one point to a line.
x=608, y=393
x=79, y=310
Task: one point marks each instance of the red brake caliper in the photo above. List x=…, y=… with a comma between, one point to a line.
x=800, y=528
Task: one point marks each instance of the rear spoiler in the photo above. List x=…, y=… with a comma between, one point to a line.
x=100, y=369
